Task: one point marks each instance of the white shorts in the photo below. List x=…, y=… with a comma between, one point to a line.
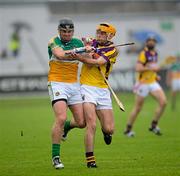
x=68, y=91
x=175, y=85
x=99, y=96
x=143, y=90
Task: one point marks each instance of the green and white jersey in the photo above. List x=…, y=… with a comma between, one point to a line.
x=175, y=66
x=175, y=70
x=63, y=70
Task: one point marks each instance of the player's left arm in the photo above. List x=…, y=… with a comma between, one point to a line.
x=98, y=59
x=88, y=59
x=154, y=67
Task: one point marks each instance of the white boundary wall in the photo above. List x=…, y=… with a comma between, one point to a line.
x=44, y=26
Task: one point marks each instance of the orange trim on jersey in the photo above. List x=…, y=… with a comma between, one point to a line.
x=63, y=72
x=175, y=75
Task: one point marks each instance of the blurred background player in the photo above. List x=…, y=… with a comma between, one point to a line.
x=173, y=80
x=147, y=69
x=63, y=88
x=94, y=90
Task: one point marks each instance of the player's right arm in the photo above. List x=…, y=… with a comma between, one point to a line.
x=57, y=51
x=89, y=60
x=142, y=66
x=60, y=54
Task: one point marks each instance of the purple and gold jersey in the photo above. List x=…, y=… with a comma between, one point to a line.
x=90, y=75
x=150, y=58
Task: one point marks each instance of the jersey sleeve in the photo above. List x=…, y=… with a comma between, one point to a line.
x=171, y=68
x=142, y=57
x=52, y=44
x=111, y=55
x=81, y=44
x=78, y=43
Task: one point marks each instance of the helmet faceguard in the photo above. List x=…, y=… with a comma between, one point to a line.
x=108, y=28
x=66, y=24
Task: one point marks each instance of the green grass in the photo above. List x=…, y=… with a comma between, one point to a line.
x=30, y=154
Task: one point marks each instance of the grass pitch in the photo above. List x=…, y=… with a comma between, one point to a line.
x=25, y=143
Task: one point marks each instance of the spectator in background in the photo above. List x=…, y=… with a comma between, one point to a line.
x=15, y=41
x=3, y=54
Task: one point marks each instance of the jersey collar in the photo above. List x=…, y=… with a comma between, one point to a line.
x=65, y=43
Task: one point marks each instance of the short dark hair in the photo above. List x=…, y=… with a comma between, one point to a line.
x=151, y=37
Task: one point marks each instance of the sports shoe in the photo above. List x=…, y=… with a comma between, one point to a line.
x=129, y=133
x=57, y=163
x=107, y=138
x=91, y=165
x=156, y=130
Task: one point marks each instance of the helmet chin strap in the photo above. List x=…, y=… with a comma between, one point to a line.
x=110, y=36
x=102, y=42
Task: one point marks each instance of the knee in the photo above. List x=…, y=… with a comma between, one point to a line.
x=60, y=120
x=109, y=129
x=163, y=103
x=82, y=124
x=91, y=127
x=138, y=109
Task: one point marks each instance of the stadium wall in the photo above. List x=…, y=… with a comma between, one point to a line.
x=119, y=80
x=42, y=25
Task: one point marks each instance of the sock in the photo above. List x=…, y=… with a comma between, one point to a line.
x=154, y=124
x=105, y=133
x=67, y=125
x=128, y=128
x=90, y=158
x=55, y=150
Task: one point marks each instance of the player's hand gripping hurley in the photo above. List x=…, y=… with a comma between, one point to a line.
x=84, y=49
